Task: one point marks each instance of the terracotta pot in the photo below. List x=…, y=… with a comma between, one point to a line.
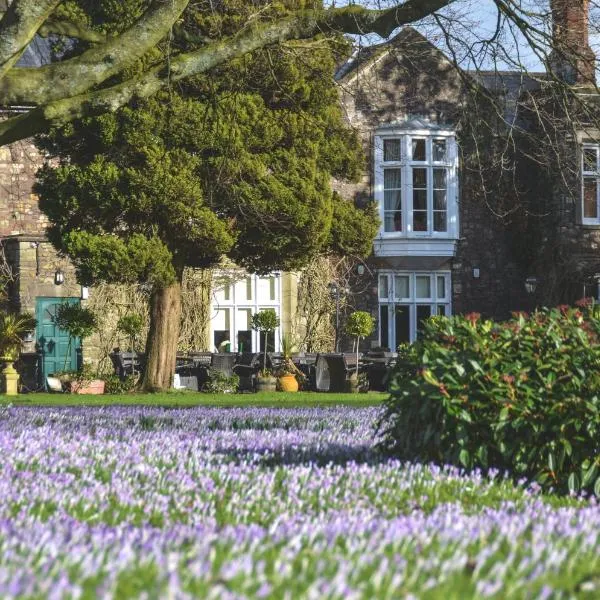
x=288, y=383
x=266, y=384
x=96, y=386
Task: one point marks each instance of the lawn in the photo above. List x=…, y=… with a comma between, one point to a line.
x=261, y=502
x=186, y=399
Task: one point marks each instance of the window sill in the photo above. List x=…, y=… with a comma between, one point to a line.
x=589, y=225
x=414, y=246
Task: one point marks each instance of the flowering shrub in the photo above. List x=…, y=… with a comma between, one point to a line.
x=521, y=396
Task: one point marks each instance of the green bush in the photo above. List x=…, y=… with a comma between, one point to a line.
x=219, y=383
x=114, y=385
x=521, y=396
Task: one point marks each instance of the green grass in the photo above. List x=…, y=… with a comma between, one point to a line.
x=187, y=399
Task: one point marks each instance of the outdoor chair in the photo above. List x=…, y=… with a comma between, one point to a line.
x=247, y=366
x=331, y=373
x=223, y=362
x=124, y=363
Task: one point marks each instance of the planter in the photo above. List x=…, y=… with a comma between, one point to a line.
x=266, y=384
x=288, y=383
x=95, y=386
x=10, y=379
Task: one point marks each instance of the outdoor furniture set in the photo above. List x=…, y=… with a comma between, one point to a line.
x=323, y=372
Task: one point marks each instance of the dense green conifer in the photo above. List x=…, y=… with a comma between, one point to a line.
x=237, y=162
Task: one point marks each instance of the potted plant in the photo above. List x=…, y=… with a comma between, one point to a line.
x=131, y=325
x=78, y=322
x=360, y=324
x=287, y=374
x=265, y=321
x=13, y=327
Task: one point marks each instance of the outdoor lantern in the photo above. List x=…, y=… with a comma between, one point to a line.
x=29, y=336
x=59, y=277
x=531, y=284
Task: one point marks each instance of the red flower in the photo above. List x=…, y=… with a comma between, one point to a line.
x=564, y=308
x=473, y=317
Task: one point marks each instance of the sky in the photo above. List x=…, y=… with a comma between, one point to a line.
x=469, y=20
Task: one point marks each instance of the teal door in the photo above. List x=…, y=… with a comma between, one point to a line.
x=53, y=341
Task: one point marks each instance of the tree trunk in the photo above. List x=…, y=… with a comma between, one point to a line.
x=163, y=335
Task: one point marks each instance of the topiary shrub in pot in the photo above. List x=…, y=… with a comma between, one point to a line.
x=360, y=324
x=266, y=321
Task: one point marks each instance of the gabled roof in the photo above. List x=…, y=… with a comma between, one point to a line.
x=367, y=56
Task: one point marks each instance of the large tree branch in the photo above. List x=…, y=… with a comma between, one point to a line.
x=78, y=75
x=72, y=30
x=303, y=25
x=18, y=26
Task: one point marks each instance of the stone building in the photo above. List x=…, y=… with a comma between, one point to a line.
x=466, y=218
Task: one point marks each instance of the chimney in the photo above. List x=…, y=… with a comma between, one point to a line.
x=572, y=59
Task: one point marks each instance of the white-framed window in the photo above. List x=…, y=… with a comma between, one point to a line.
x=236, y=297
x=416, y=184
x=590, y=187
x=407, y=299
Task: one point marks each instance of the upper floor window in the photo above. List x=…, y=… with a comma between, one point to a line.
x=415, y=182
x=591, y=184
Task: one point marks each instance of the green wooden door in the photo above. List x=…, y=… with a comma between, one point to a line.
x=53, y=341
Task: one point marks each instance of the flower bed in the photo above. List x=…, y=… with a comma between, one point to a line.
x=260, y=502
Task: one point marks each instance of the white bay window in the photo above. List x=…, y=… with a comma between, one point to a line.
x=416, y=189
x=406, y=300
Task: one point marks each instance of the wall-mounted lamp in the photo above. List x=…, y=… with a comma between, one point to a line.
x=360, y=269
x=531, y=284
x=59, y=277
x=29, y=337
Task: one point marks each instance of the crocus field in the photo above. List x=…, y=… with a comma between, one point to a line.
x=267, y=503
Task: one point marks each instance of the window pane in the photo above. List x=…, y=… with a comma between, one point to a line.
x=420, y=220
x=402, y=325
x=392, y=150
x=221, y=325
x=249, y=288
x=244, y=330
x=439, y=179
x=439, y=200
x=420, y=200
x=441, y=310
x=441, y=286
x=590, y=159
x=423, y=313
x=402, y=283
x=590, y=195
x=272, y=289
x=439, y=150
x=393, y=221
x=392, y=179
x=439, y=221
x=383, y=286
x=423, y=283
x=384, y=325
x=419, y=150
x=419, y=178
x=392, y=200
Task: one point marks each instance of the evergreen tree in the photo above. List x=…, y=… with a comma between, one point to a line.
x=236, y=164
